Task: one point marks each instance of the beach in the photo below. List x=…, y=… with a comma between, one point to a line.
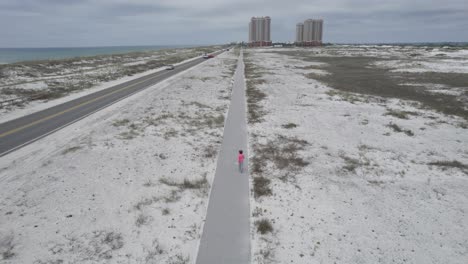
x=357, y=154
x=129, y=183
x=37, y=84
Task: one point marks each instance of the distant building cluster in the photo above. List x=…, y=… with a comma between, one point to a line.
x=309, y=33
x=259, y=31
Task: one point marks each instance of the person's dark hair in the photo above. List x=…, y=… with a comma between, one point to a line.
x=240, y=151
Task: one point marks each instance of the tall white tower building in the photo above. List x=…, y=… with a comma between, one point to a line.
x=299, y=32
x=312, y=32
x=259, y=31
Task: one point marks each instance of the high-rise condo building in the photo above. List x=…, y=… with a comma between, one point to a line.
x=312, y=32
x=299, y=32
x=259, y=31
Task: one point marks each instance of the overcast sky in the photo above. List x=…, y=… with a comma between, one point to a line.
x=71, y=23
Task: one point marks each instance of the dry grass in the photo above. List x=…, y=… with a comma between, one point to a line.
x=121, y=122
x=253, y=76
x=350, y=163
x=186, y=183
x=202, y=121
x=133, y=131
x=198, y=104
x=145, y=202
x=103, y=244
x=65, y=76
x=376, y=182
x=142, y=220
x=155, y=250
x=148, y=183
x=166, y=211
x=170, y=133
x=210, y=151
x=289, y=125
x=179, y=259
x=398, y=129
x=128, y=135
x=347, y=96
x=399, y=114
x=264, y=226
x=71, y=150
x=156, y=121
x=7, y=247
x=446, y=164
x=283, y=154
x=359, y=75
x=173, y=197
x=204, y=79
x=96, y=247
x=261, y=186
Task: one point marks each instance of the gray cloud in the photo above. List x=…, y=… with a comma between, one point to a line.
x=32, y=23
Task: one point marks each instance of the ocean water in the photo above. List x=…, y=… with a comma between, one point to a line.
x=10, y=55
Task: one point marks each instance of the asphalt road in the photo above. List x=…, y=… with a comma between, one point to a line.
x=17, y=133
x=226, y=233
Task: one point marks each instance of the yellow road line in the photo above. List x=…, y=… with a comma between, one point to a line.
x=71, y=108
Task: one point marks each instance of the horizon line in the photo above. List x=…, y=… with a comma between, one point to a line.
x=111, y=46
x=201, y=45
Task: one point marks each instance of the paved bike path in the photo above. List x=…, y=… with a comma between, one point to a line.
x=226, y=234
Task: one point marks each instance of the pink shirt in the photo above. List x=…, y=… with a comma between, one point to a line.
x=240, y=158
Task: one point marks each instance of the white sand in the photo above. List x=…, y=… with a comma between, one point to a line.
x=368, y=194
x=92, y=192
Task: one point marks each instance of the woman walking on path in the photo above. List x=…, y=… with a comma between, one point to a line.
x=240, y=159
